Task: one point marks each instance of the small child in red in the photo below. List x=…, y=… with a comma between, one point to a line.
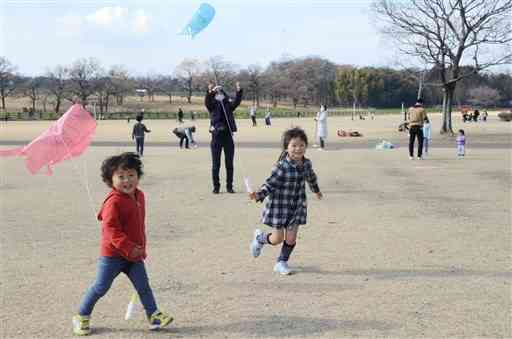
x=123, y=241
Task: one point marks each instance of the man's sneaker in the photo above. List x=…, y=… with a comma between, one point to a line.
x=281, y=267
x=159, y=320
x=411, y=158
x=256, y=246
x=81, y=325
x=215, y=191
x=420, y=158
x=230, y=190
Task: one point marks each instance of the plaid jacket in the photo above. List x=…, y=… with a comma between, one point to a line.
x=285, y=191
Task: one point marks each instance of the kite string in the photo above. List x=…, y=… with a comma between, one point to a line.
x=84, y=180
x=237, y=142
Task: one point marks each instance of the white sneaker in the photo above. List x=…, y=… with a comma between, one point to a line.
x=411, y=158
x=256, y=246
x=420, y=158
x=281, y=267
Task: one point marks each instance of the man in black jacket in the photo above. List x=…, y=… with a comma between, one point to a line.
x=222, y=127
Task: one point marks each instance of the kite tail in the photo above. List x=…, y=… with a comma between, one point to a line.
x=12, y=152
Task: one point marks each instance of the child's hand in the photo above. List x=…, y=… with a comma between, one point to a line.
x=319, y=195
x=252, y=195
x=137, y=251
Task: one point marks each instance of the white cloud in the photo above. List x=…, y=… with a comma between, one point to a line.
x=141, y=22
x=108, y=16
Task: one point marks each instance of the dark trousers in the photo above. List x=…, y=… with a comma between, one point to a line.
x=139, y=145
x=183, y=138
x=322, y=142
x=253, y=118
x=222, y=141
x=415, y=132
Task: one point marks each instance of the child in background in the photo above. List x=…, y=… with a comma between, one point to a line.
x=123, y=241
x=461, y=143
x=286, y=204
x=427, y=136
x=268, y=117
x=139, y=130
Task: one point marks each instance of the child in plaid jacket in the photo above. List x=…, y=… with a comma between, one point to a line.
x=285, y=193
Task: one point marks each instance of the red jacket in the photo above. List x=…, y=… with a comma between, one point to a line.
x=122, y=224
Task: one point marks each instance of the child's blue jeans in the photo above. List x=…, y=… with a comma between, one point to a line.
x=108, y=269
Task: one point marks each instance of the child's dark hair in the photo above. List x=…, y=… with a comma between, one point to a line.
x=127, y=160
x=139, y=118
x=290, y=134
x=461, y=131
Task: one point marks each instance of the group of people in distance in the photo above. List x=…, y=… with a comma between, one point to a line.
x=420, y=128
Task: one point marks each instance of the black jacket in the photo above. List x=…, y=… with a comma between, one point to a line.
x=217, y=114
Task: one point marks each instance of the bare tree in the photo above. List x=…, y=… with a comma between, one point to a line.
x=253, y=78
x=187, y=72
x=484, y=95
x=57, y=84
x=121, y=83
x=151, y=83
x=447, y=34
x=7, y=76
x=32, y=88
x=83, y=76
x=220, y=71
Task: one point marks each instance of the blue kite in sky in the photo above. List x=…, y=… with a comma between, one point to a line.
x=202, y=18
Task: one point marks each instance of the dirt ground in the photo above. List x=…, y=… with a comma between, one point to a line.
x=396, y=248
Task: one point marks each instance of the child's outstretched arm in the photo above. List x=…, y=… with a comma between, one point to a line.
x=274, y=181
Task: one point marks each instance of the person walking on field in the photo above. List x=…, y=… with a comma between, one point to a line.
x=252, y=113
x=138, y=132
x=222, y=127
x=321, y=126
x=180, y=115
x=417, y=116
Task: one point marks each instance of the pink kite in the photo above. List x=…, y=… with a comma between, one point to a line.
x=66, y=138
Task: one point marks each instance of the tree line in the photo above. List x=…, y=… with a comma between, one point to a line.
x=297, y=82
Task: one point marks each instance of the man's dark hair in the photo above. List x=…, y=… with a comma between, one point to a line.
x=139, y=118
x=419, y=101
x=127, y=160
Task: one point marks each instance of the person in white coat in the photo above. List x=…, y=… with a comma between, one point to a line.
x=321, y=126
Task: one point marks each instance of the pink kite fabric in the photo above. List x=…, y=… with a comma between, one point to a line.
x=66, y=138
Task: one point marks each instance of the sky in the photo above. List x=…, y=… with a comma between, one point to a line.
x=142, y=35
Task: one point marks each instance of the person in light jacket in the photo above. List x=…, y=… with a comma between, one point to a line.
x=427, y=136
x=321, y=126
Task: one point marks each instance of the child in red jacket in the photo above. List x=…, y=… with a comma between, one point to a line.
x=123, y=241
